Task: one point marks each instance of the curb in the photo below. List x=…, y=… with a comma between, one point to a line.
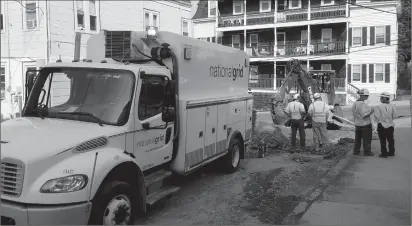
x=312, y=193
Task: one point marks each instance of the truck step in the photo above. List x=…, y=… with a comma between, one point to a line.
x=161, y=194
x=156, y=177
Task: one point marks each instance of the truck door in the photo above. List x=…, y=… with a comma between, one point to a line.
x=152, y=137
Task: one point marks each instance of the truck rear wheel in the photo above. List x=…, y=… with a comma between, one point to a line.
x=113, y=205
x=231, y=161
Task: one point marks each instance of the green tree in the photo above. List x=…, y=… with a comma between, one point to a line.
x=404, y=44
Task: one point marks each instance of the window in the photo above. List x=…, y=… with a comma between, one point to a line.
x=295, y=4
x=304, y=37
x=236, y=41
x=151, y=97
x=151, y=18
x=30, y=15
x=327, y=35
x=2, y=14
x=93, y=17
x=87, y=15
x=185, y=27
x=237, y=7
x=379, y=70
x=265, y=6
x=327, y=2
x=212, y=8
x=380, y=34
x=326, y=67
x=356, y=73
x=357, y=36
x=254, y=38
x=3, y=82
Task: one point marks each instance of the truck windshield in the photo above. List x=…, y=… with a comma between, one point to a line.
x=96, y=95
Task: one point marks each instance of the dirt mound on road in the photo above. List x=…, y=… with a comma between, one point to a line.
x=335, y=150
x=271, y=138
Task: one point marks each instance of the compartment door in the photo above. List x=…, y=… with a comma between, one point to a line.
x=195, y=141
x=249, y=116
x=222, y=125
x=211, y=134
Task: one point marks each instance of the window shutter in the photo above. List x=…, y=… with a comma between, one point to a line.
x=364, y=75
x=388, y=35
x=349, y=73
x=387, y=73
x=371, y=73
x=350, y=36
x=364, y=36
x=372, y=38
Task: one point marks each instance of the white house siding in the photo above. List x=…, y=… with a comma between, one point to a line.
x=204, y=29
x=378, y=53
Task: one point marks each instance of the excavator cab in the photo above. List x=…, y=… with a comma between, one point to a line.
x=325, y=84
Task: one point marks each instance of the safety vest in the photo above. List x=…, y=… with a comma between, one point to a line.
x=320, y=110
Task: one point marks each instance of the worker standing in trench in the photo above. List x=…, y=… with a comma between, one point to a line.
x=320, y=115
x=296, y=111
x=363, y=125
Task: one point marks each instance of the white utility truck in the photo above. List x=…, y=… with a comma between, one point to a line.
x=99, y=139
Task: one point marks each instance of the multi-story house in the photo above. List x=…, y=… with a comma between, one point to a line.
x=37, y=32
x=357, y=39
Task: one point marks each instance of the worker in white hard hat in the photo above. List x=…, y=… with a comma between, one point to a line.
x=383, y=120
x=363, y=125
x=320, y=114
x=296, y=111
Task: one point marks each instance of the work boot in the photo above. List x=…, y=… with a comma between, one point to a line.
x=356, y=153
x=390, y=154
x=369, y=153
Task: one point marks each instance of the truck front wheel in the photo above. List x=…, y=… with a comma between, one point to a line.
x=232, y=160
x=113, y=205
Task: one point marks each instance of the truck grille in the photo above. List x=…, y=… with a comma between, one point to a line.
x=11, y=177
x=118, y=44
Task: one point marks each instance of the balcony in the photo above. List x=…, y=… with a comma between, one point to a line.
x=260, y=51
x=256, y=18
x=267, y=84
x=231, y=20
x=315, y=48
x=327, y=12
x=292, y=15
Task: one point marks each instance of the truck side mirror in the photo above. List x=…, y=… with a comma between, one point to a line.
x=168, y=115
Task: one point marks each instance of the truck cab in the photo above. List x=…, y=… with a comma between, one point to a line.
x=100, y=140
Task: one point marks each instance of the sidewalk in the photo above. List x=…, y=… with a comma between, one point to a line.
x=371, y=190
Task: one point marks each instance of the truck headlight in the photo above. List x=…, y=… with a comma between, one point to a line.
x=65, y=184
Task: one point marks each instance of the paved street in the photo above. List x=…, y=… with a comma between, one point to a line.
x=371, y=191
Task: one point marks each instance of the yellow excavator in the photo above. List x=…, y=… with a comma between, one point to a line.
x=307, y=84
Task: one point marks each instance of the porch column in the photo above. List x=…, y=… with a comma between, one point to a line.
x=346, y=75
x=244, y=40
x=309, y=10
x=347, y=38
x=347, y=9
x=276, y=11
x=309, y=41
x=275, y=46
x=216, y=19
x=244, y=14
x=274, y=75
x=307, y=65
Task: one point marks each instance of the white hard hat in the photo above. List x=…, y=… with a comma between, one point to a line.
x=316, y=95
x=363, y=92
x=385, y=94
x=296, y=96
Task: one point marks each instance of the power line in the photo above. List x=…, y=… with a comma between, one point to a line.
x=368, y=7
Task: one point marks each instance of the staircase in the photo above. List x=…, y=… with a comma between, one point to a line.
x=351, y=94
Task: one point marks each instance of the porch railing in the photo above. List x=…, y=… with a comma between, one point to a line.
x=292, y=50
x=328, y=47
x=292, y=15
x=267, y=83
x=254, y=18
x=326, y=12
x=339, y=84
x=261, y=83
x=260, y=50
x=231, y=20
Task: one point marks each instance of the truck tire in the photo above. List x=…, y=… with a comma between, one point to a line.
x=231, y=161
x=114, y=204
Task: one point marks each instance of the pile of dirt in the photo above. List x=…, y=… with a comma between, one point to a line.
x=273, y=140
x=335, y=150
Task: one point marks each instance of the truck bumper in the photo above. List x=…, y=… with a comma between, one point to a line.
x=29, y=214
